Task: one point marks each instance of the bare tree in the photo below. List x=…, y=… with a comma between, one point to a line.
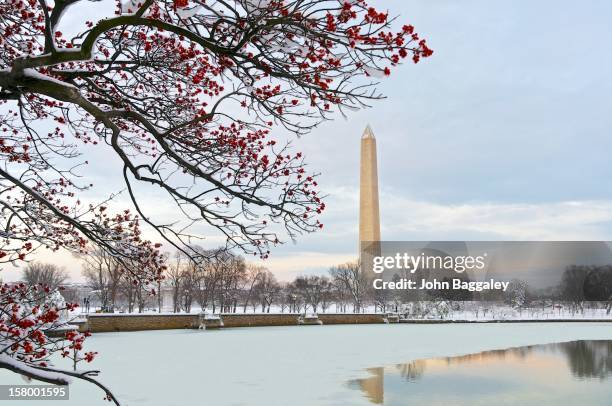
x=267, y=289
x=103, y=274
x=190, y=288
x=295, y=297
x=232, y=272
x=380, y=298
x=314, y=289
x=253, y=274
x=206, y=277
x=516, y=293
x=284, y=298
x=326, y=293
x=38, y=273
x=572, y=286
x=98, y=281
x=174, y=278
x=142, y=295
x=128, y=291
x=350, y=277
x=340, y=294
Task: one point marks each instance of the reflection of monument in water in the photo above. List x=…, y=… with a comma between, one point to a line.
x=516, y=371
x=372, y=387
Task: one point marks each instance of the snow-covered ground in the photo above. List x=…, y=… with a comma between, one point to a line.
x=482, y=311
x=298, y=365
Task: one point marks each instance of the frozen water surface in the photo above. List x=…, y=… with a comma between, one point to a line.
x=297, y=365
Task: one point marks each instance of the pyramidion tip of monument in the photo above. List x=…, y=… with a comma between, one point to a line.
x=368, y=133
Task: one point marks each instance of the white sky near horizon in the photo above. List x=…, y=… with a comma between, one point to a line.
x=503, y=134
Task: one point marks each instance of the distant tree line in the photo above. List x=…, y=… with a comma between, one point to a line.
x=227, y=283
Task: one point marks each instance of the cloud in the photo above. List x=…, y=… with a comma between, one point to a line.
x=557, y=221
x=406, y=218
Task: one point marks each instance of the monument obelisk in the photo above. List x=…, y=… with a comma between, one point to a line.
x=369, y=217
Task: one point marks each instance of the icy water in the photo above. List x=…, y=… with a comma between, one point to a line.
x=571, y=373
x=312, y=365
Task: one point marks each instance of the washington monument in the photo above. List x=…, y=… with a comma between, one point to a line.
x=369, y=217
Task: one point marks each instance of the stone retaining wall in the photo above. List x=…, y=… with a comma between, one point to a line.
x=340, y=318
x=256, y=320
x=98, y=323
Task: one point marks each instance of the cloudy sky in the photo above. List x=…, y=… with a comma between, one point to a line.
x=502, y=135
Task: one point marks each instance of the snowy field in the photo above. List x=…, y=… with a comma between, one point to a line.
x=297, y=365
